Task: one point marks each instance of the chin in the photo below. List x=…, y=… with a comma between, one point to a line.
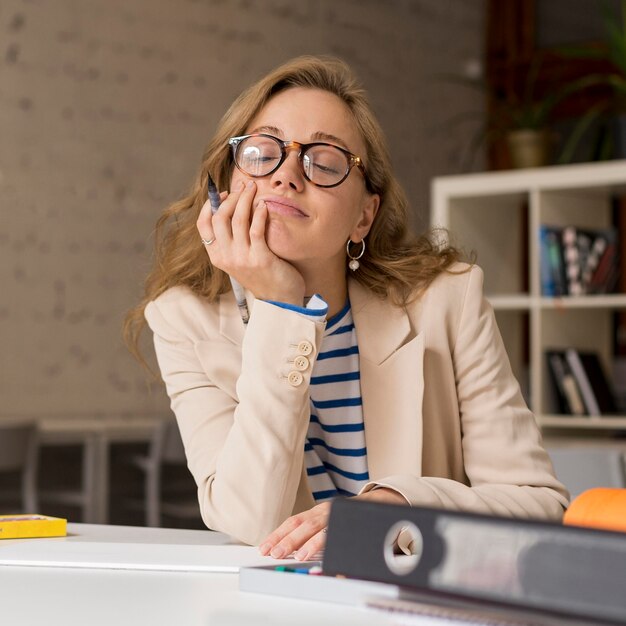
x=283, y=244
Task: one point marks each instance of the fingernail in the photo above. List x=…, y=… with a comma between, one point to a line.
x=278, y=552
x=300, y=555
x=264, y=549
x=250, y=184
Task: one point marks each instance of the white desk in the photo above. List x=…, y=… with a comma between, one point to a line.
x=95, y=435
x=99, y=597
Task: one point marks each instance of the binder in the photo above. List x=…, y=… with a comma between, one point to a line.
x=576, y=575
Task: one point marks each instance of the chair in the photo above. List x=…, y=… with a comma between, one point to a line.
x=166, y=450
x=19, y=453
x=582, y=467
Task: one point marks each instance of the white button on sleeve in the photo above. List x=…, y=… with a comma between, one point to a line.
x=295, y=378
x=301, y=363
x=305, y=348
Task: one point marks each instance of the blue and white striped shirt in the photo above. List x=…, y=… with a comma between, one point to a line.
x=335, y=452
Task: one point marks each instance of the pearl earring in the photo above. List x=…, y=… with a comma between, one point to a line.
x=354, y=263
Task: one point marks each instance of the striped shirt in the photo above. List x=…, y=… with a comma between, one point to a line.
x=335, y=452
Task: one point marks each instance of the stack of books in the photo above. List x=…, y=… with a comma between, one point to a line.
x=580, y=382
x=578, y=261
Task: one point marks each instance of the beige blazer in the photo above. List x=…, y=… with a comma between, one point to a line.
x=445, y=423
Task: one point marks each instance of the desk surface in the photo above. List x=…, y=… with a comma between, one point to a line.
x=97, y=597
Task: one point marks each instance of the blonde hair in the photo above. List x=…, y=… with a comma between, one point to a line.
x=396, y=264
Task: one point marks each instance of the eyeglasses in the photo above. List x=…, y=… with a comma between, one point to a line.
x=323, y=164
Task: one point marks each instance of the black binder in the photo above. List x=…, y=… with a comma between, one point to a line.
x=576, y=574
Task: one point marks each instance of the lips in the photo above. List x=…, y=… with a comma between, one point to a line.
x=283, y=206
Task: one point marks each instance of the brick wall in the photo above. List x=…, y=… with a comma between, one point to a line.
x=105, y=108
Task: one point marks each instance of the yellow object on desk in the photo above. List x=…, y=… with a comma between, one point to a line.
x=26, y=526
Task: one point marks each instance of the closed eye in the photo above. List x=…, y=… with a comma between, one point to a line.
x=326, y=169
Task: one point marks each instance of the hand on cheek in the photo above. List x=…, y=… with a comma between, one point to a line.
x=302, y=533
x=237, y=245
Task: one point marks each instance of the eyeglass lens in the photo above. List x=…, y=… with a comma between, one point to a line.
x=323, y=164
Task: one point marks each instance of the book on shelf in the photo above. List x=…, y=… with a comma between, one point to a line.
x=553, y=272
x=569, y=398
x=580, y=382
x=577, y=261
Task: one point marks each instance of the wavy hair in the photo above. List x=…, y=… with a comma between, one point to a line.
x=396, y=265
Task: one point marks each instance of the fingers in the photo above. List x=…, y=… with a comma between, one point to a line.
x=221, y=219
x=312, y=547
x=302, y=534
x=240, y=217
x=257, y=227
x=231, y=223
x=203, y=223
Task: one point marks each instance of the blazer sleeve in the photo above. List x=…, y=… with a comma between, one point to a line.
x=508, y=471
x=243, y=425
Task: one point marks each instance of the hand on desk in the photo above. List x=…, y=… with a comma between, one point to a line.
x=305, y=533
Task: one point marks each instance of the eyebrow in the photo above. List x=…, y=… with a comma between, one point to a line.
x=332, y=138
x=272, y=130
x=316, y=136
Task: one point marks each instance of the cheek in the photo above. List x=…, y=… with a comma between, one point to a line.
x=349, y=212
x=236, y=179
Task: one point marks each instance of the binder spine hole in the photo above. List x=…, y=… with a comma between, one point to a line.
x=403, y=548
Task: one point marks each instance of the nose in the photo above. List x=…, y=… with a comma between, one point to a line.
x=289, y=174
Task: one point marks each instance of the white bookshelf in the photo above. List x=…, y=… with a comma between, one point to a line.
x=487, y=214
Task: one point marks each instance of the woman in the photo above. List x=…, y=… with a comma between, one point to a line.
x=371, y=363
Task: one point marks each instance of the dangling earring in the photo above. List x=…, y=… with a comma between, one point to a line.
x=354, y=260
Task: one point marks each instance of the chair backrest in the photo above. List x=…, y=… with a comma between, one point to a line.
x=173, y=449
x=584, y=467
x=19, y=452
x=166, y=445
x=17, y=440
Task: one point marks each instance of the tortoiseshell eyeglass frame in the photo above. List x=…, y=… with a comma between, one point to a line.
x=352, y=160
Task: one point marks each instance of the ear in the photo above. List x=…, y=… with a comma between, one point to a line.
x=369, y=208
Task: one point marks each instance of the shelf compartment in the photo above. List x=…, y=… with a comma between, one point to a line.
x=585, y=329
x=476, y=225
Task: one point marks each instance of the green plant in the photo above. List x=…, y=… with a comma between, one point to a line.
x=528, y=109
x=614, y=53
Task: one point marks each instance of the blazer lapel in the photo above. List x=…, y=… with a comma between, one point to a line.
x=392, y=384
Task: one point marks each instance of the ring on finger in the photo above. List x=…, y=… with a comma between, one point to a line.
x=207, y=242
